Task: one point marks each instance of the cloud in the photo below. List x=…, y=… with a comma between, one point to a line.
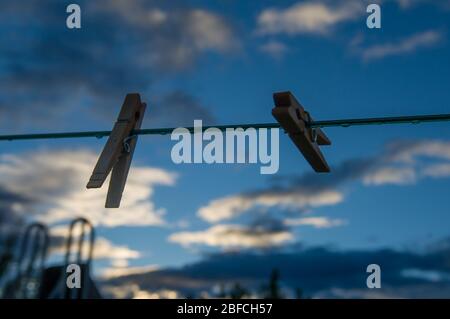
x=209, y=31
x=109, y=273
x=186, y=32
x=400, y=163
x=408, y=4
x=320, y=272
x=123, y=46
x=11, y=221
x=437, y=171
x=54, y=183
x=403, y=46
x=133, y=291
x=233, y=236
x=408, y=152
x=103, y=248
x=309, y=17
x=275, y=49
x=277, y=209
x=263, y=232
x=177, y=109
x=429, y=275
x=317, y=222
x=298, y=193
x=233, y=206
x=390, y=175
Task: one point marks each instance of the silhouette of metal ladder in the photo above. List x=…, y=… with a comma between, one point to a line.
x=55, y=281
x=29, y=264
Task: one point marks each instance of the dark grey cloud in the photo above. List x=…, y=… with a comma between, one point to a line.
x=324, y=272
x=178, y=109
x=351, y=170
x=12, y=227
x=123, y=46
x=285, y=195
x=282, y=203
x=268, y=223
x=10, y=220
x=317, y=271
x=310, y=182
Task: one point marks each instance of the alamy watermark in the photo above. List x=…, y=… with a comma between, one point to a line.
x=235, y=145
x=73, y=276
x=73, y=20
x=374, y=19
x=374, y=279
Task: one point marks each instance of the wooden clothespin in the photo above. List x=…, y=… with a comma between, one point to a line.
x=118, y=151
x=294, y=120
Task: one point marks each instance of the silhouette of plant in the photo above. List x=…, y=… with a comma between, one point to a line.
x=238, y=292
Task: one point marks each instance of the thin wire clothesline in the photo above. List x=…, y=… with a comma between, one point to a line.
x=415, y=119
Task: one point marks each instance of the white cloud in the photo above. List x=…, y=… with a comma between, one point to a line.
x=233, y=236
x=200, y=31
x=403, y=46
x=437, y=170
x=274, y=48
x=176, y=35
x=412, y=161
x=134, y=12
x=399, y=164
x=134, y=291
x=408, y=153
x=119, y=263
x=232, y=206
x=340, y=293
x=156, y=16
x=429, y=275
x=55, y=181
x=209, y=31
x=203, y=29
x=103, y=249
x=317, y=222
x=159, y=294
x=308, y=17
x=390, y=175
x=108, y=273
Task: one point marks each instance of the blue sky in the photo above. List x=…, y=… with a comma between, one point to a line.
x=221, y=61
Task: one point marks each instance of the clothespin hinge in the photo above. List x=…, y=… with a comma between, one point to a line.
x=126, y=143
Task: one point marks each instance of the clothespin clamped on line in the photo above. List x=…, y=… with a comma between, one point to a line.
x=294, y=120
x=118, y=151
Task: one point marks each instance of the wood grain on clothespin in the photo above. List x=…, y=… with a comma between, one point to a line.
x=114, y=153
x=294, y=120
x=119, y=172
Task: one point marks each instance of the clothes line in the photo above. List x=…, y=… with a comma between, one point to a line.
x=116, y=156
x=414, y=119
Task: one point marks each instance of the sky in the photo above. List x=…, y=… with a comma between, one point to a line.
x=220, y=61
